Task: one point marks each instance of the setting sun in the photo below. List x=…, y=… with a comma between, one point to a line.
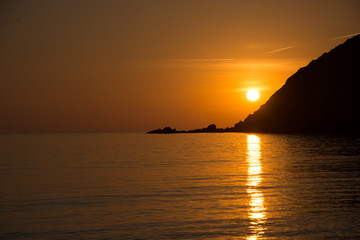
x=253, y=95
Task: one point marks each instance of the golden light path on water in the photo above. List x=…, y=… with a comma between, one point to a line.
x=257, y=214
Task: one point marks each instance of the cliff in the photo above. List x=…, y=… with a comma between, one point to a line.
x=322, y=97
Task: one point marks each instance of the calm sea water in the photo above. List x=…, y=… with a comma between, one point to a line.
x=183, y=186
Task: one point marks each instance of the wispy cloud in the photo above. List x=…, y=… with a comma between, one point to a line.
x=345, y=36
x=279, y=50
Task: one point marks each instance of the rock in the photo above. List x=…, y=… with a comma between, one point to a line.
x=322, y=97
x=164, y=130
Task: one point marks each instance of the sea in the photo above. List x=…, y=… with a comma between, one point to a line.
x=179, y=186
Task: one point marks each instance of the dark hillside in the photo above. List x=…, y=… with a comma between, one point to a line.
x=322, y=97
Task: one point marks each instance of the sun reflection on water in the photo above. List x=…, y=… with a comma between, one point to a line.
x=257, y=214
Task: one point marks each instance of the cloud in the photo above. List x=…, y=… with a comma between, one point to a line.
x=345, y=36
x=279, y=50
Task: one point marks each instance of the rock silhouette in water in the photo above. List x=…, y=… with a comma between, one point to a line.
x=209, y=129
x=164, y=130
x=322, y=97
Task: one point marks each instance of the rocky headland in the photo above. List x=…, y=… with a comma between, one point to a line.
x=322, y=97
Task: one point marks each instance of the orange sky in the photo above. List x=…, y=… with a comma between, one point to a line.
x=138, y=65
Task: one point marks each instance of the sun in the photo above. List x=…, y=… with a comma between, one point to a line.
x=253, y=95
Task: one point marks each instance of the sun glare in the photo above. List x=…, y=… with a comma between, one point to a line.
x=253, y=95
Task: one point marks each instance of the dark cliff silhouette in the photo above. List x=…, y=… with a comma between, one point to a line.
x=322, y=97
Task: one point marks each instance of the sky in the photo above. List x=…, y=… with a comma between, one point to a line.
x=138, y=65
